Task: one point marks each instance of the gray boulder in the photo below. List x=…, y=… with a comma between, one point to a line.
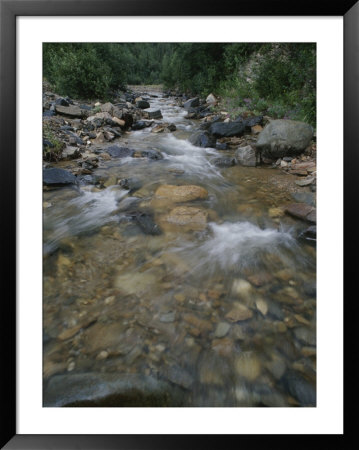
x=57, y=177
x=71, y=111
x=246, y=156
x=191, y=103
x=225, y=161
x=202, y=139
x=284, y=138
x=221, y=129
x=143, y=104
x=153, y=114
x=139, y=125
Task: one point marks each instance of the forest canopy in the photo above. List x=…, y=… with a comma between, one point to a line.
x=276, y=78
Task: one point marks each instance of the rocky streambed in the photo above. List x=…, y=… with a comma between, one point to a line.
x=179, y=258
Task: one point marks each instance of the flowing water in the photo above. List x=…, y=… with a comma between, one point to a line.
x=216, y=315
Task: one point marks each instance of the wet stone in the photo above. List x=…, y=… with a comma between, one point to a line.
x=239, y=313
x=177, y=375
x=222, y=329
x=119, y=152
x=248, y=366
x=305, y=335
x=168, y=317
x=58, y=177
x=300, y=388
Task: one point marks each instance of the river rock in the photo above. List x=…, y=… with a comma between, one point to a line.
x=256, y=129
x=107, y=107
x=262, y=306
x=187, y=217
x=221, y=129
x=177, y=375
x=140, y=125
x=305, y=182
x=202, y=139
x=142, y=104
x=222, y=329
x=151, y=154
x=248, y=366
x=130, y=184
x=299, y=388
x=225, y=161
x=183, y=193
x=253, y=121
x=246, y=156
x=153, y=114
x=301, y=211
x=305, y=197
x=242, y=288
x=119, y=122
x=105, y=389
x=282, y=138
x=238, y=313
x=191, y=103
x=128, y=118
x=119, y=152
x=305, y=335
x=211, y=99
x=221, y=146
x=70, y=153
x=62, y=102
x=58, y=177
x=71, y=111
x=164, y=127
x=146, y=222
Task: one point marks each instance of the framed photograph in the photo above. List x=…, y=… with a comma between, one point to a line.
x=174, y=253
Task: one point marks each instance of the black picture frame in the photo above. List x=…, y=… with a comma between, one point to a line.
x=9, y=10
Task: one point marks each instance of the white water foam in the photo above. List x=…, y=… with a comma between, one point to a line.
x=184, y=155
x=83, y=213
x=237, y=245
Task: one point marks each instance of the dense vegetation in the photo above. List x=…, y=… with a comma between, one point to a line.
x=277, y=79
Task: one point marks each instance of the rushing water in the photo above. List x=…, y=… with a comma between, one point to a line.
x=223, y=315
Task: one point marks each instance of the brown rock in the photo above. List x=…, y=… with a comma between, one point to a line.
x=188, y=217
x=184, y=193
x=303, y=165
x=305, y=182
x=71, y=111
x=256, y=129
x=223, y=347
x=248, y=366
x=105, y=156
x=239, y=313
x=119, y=122
x=260, y=278
x=301, y=173
x=102, y=336
x=301, y=211
x=312, y=216
x=199, y=324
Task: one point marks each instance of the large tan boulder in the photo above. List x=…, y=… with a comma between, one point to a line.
x=188, y=218
x=178, y=194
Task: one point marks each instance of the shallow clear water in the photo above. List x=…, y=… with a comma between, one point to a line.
x=222, y=315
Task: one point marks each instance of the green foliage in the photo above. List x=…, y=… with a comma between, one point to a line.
x=52, y=152
x=278, y=79
x=93, y=70
x=76, y=70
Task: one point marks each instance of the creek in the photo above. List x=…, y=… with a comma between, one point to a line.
x=214, y=314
